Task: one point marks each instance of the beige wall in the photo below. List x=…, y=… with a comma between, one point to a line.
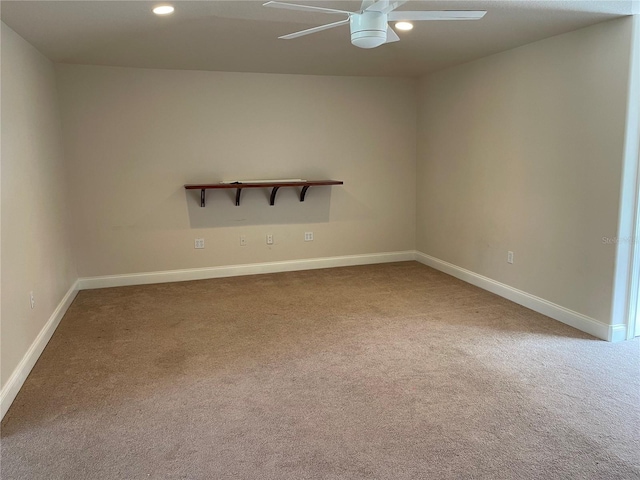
x=523, y=151
x=135, y=136
x=36, y=253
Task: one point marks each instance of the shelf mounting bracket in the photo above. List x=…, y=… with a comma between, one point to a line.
x=272, y=200
x=202, y=197
x=238, y=192
x=303, y=193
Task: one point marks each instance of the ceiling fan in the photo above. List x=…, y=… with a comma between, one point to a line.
x=369, y=28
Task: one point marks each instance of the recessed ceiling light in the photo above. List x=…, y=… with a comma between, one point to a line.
x=404, y=25
x=163, y=10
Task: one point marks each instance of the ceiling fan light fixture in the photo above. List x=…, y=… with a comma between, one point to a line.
x=404, y=26
x=163, y=10
x=368, y=30
x=369, y=39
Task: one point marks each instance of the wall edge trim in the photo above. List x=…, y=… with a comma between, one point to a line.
x=16, y=380
x=182, y=275
x=611, y=333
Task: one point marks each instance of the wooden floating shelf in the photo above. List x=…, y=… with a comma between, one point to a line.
x=274, y=186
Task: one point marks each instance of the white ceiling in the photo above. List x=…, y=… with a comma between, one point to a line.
x=242, y=35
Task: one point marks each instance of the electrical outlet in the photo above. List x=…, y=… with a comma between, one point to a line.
x=32, y=300
x=243, y=240
x=269, y=239
x=509, y=257
x=199, y=243
x=308, y=236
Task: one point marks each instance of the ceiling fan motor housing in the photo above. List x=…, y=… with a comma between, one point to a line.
x=368, y=29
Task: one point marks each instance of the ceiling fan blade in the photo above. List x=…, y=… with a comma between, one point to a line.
x=366, y=4
x=392, y=36
x=438, y=15
x=314, y=29
x=307, y=8
x=385, y=6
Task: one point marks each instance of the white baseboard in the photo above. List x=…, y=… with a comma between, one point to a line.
x=611, y=333
x=20, y=374
x=617, y=333
x=87, y=283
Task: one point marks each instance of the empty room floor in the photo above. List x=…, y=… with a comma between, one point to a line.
x=393, y=371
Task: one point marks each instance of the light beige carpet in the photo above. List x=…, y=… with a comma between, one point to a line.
x=389, y=371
